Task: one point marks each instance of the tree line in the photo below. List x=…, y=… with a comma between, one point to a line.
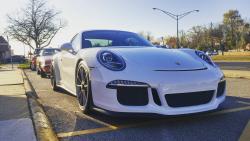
x=232, y=33
x=37, y=24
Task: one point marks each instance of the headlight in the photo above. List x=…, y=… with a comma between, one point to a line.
x=111, y=61
x=205, y=57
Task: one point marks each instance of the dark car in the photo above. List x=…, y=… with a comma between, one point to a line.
x=16, y=59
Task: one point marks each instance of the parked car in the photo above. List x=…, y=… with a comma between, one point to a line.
x=121, y=72
x=16, y=59
x=33, y=59
x=247, y=48
x=44, y=59
x=211, y=53
x=163, y=46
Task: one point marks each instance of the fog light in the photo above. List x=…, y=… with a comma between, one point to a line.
x=125, y=83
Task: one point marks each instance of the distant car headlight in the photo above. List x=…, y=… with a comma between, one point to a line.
x=205, y=57
x=111, y=61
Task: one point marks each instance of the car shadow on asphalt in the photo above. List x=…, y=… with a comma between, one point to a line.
x=140, y=124
x=230, y=102
x=78, y=121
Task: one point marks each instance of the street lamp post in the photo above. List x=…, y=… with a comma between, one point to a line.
x=176, y=17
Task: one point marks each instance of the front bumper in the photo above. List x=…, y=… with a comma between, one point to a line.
x=154, y=98
x=46, y=69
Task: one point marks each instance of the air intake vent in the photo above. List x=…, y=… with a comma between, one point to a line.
x=221, y=88
x=189, y=99
x=132, y=96
x=156, y=97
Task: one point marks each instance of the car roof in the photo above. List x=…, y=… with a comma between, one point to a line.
x=104, y=30
x=51, y=49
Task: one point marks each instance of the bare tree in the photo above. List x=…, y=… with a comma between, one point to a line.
x=35, y=25
x=147, y=35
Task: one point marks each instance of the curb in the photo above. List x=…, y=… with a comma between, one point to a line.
x=43, y=128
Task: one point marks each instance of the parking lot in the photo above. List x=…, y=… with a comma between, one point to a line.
x=227, y=123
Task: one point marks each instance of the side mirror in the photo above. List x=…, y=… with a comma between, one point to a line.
x=67, y=47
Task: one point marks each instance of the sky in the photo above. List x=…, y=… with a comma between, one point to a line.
x=130, y=15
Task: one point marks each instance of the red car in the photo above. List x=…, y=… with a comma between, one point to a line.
x=43, y=61
x=33, y=59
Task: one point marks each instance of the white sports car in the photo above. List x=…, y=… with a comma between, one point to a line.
x=119, y=71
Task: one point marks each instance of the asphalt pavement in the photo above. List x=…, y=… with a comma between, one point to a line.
x=227, y=123
x=234, y=65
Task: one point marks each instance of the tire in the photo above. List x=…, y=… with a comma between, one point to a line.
x=38, y=71
x=32, y=67
x=53, y=80
x=43, y=74
x=83, y=89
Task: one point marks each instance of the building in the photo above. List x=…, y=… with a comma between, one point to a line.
x=5, y=49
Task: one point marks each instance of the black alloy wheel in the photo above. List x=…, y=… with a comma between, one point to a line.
x=83, y=90
x=43, y=74
x=53, y=80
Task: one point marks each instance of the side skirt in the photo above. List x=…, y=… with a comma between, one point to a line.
x=61, y=86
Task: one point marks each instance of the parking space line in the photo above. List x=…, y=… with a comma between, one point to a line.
x=113, y=128
x=100, y=122
x=42, y=90
x=243, y=102
x=230, y=111
x=83, y=132
x=245, y=136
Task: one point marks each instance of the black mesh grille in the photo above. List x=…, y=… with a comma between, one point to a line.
x=132, y=96
x=156, y=97
x=189, y=99
x=221, y=88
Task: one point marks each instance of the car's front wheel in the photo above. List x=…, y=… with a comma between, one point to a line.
x=32, y=67
x=83, y=89
x=43, y=74
x=53, y=80
x=38, y=71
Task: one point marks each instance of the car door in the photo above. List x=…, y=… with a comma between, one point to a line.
x=69, y=60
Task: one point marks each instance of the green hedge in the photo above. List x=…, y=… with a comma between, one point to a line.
x=25, y=65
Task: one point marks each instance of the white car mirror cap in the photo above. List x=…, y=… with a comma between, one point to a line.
x=67, y=47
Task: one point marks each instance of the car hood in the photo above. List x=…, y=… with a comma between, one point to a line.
x=159, y=59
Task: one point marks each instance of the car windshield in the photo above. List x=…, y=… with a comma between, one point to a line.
x=112, y=38
x=48, y=52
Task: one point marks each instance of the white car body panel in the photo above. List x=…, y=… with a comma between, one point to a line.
x=158, y=67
